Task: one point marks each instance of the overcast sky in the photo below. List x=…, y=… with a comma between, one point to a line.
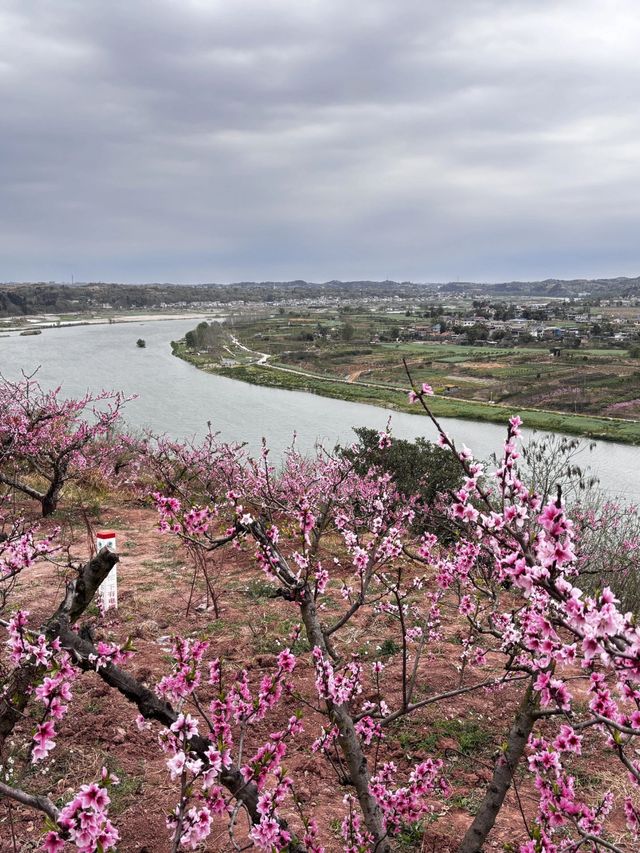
x=226, y=140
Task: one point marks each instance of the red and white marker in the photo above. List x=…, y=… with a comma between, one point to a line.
x=108, y=589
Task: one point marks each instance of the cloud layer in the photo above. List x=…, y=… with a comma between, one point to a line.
x=208, y=140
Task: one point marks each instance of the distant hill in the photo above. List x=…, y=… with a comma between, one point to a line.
x=49, y=298
x=552, y=287
x=41, y=298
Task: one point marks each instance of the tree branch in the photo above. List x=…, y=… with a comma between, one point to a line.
x=430, y=700
x=43, y=804
x=22, y=487
x=84, y=655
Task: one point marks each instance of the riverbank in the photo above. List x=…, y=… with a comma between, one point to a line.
x=55, y=322
x=275, y=376
x=173, y=399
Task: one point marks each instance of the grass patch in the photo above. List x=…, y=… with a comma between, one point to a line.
x=468, y=734
x=469, y=803
x=127, y=791
x=389, y=647
x=258, y=590
x=409, y=839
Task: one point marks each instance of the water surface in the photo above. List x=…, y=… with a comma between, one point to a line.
x=176, y=398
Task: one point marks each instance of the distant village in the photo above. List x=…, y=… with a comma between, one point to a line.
x=462, y=314
x=567, y=322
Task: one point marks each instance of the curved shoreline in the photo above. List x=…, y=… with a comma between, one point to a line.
x=110, y=320
x=394, y=398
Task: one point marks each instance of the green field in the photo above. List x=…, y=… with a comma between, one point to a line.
x=592, y=427
x=591, y=392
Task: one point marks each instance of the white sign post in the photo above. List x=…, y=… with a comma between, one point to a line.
x=108, y=589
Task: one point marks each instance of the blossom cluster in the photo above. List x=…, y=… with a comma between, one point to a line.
x=515, y=543
x=52, y=686
x=407, y=804
x=230, y=713
x=84, y=820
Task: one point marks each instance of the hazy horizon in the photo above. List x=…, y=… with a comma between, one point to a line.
x=262, y=281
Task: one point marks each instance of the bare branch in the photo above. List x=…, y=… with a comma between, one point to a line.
x=43, y=804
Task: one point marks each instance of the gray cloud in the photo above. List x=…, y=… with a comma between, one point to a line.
x=208, y=140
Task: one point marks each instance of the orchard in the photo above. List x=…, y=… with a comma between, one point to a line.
x=390, y=609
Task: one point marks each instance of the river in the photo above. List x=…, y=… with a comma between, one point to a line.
x=176, y=398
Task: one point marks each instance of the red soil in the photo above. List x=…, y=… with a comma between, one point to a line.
x=155, y=580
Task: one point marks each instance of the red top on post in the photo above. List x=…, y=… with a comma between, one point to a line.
x=106, y=534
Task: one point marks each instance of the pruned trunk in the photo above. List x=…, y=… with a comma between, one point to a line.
x=503, y=773
x=78, y=596
x=80, y=591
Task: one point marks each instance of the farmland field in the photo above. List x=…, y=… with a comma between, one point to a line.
x=361, y=356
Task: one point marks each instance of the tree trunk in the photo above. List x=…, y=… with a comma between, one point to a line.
x=348, y=739
x=49, y=505
x=78, y=596
x=504, y=770
x=339, y=714
x=51, y=497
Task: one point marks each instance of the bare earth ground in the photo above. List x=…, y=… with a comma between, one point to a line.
x=154, y=579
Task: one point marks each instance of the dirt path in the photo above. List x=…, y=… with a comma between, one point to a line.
x=475, y=380
x=263, y=361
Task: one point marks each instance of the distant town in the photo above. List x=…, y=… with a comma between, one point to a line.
x=603, y=312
